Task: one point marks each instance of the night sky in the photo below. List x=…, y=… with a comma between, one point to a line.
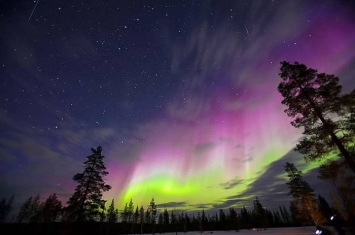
x=181, y=95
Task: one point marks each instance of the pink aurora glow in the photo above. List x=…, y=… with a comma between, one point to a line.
x=241, y=128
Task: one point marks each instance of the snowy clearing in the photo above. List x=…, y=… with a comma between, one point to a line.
x=269, y=231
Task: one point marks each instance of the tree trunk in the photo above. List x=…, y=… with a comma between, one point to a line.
x=347, y=156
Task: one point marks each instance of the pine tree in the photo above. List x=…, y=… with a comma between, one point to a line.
x=259, y=214
x=24, y=214
x=303, y=196
x=187, y=221
x=124, y=214
x=166, y=219
x=136, y=215
x=222, y=219
x=153, y=214
x=130, y=211
x=147, y=216
x=85, y=203
x=278, y=222
x=203, y=219
x=141, y=218
x=112, y=213
x=5, y=207
x=314, y=100
x=50, y=209
x=160, y=223
x=29, y=211
x=245, y=218
x=285, y=215
x=173, y=220
x=233, y=218
x=35, y=208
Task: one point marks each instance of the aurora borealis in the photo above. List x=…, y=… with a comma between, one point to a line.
x=182, y=96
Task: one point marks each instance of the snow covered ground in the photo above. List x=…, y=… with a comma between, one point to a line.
x=269, y=231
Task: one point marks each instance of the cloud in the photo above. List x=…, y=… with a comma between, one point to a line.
x=236, y=202
x=172, y=205
x=271, y=188
x=202, y=205
x=205, y=51
x=232, y=183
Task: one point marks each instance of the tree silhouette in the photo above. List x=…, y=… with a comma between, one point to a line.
x=5, y=207
x=233, y=219
x=86, y=201
x=222, y=219
x=259, y=214
x=285, y=215
x=153, y=214
x=166, y=220
x=303, y=196
x=50, y=209
x=112, y=213
x=141, y=218
x=314, y=100
x=29, y=211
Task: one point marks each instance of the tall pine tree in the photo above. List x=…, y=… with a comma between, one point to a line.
x=85, y=203
x=327, y=117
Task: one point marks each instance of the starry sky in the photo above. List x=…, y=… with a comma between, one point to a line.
x=181, y=95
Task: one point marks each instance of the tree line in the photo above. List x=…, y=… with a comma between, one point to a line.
x=138, y=219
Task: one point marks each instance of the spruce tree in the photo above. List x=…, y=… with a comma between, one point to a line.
x=147, y=216
x=50, y=209
x=5, y=208
x=130, y=211
x=29, y=211
x=160, y=223
x=166, y=219
x=259, y=214
x=285, y=215
x=141, y=218
x=245, y=218
x=124, y=214
x=85, y=203
x=112, y=213
x=24, y=213
x=233, y=218
x=136, y=216
x=222, y=220
x=153, y=214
